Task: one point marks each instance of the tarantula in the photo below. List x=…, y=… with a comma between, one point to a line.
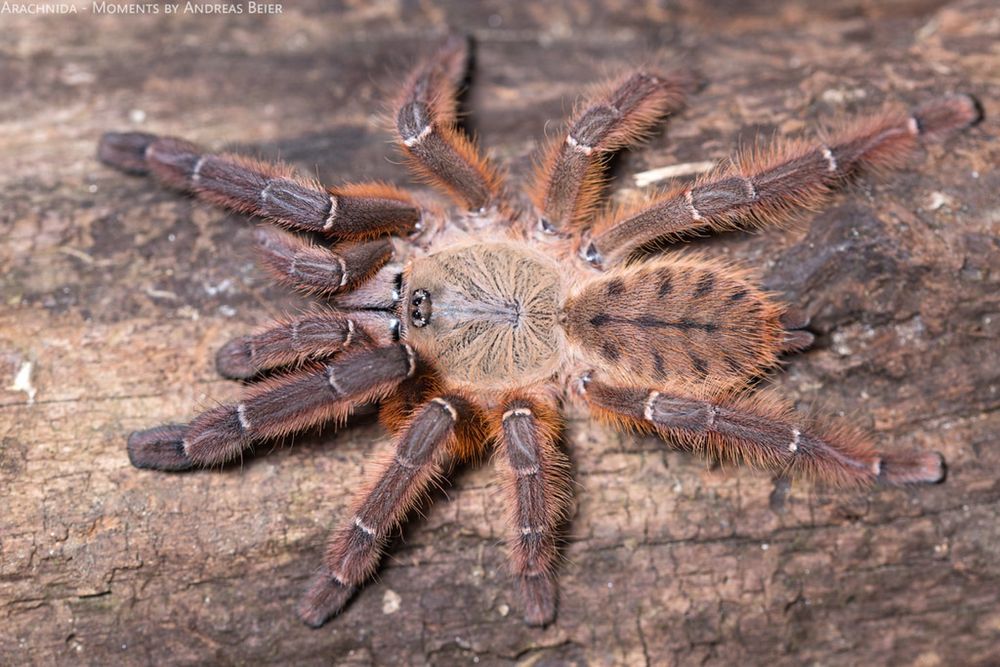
x=470, y=328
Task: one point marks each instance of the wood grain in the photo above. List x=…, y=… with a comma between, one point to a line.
x=116, y=295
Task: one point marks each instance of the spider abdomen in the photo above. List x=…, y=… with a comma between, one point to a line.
x=687, y=321
x=486, y=313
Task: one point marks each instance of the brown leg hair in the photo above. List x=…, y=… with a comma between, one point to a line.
x=764, y=432
x=313, y=269
x=569, y=179
x=239, y=183
x=314, y=336
x=356, y=548
x=274, y=408
x=535, y=482
x=769, y=187
x=426, y=130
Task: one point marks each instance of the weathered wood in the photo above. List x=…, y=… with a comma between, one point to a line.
x=117, y=293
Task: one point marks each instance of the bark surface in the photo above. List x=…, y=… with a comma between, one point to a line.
x=115, y=295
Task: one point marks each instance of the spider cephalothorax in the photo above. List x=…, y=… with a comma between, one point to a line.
x=486, y=312
x=472, y=328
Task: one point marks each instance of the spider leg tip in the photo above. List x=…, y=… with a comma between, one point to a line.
x=794, y=318
x=159, y=448
x=973, y=108
x=324, y=599
x=937, y=468
x=920, y=468
x=232, y=361
x=125, y=150
x=797, y=340
x=311, y=616
x=538, y=595
x=945, y=115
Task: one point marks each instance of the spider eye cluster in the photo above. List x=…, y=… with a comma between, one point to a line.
x=421, y=312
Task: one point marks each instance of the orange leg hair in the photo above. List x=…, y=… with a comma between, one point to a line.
x=769, y=187
x=426, y=130
x=570, y=176
x=762, y=431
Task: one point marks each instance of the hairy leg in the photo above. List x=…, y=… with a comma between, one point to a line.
x=427, y=132
x=273, y=192
x=764, y=432
x=535, y=482
x=769, y=187
x=274, y=408
x=398, y=483
x=570, y=177
x=310, y=337
x=314, y=269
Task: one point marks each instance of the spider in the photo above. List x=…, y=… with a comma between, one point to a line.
x=472, y=328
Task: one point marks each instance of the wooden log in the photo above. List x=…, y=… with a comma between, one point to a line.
x=115, y=295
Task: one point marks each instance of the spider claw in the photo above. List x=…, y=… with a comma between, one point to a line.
x=324, y=599
x=160, y=448
x=538, y=597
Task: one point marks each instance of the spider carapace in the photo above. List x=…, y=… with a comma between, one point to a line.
x=472, y=328
x=487, y=313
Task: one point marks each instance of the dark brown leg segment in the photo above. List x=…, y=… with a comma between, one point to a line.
x=310, y=337
x=570, y=178
x=317, y=270
x=764, y=432
x=534, y=478
x=274, y=409
x=426, y=130
x=356, y=548
x=270, y=191
x=769, y=187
